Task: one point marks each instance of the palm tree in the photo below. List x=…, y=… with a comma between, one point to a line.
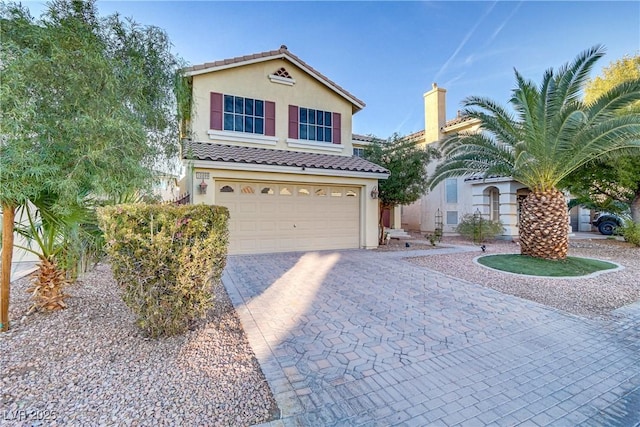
x=551, y=133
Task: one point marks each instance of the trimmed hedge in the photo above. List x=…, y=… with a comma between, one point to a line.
x=166, y=260
x=631, y=232
x=479, y=229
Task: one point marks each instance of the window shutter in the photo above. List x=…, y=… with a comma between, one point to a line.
x=293, y=121
x=215, y=118
x=269, y=118
x=337, y=128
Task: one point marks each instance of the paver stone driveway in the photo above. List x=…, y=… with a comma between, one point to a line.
x=363, y=337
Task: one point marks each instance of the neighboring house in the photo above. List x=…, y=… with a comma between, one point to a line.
x=165, y=186
x=270, y=138
x=496, y=198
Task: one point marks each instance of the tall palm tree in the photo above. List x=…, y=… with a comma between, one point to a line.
x=550, y=133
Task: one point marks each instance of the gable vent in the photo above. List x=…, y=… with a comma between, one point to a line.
x=282, y=76
x=282, y=73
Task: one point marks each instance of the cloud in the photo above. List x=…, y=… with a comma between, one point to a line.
x=450, y=82
x=502, y=25
x=463, y=42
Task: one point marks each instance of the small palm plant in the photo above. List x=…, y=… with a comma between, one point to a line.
x=65, y=244
x=551, y=133
x=49, y=280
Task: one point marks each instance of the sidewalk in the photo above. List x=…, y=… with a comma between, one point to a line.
x=20, y=269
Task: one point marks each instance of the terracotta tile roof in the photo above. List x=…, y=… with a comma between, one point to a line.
x=415, y=135
x=271, y=157
x=362, y=138
x=284, y=53
x=482, y=178
x=459, y=119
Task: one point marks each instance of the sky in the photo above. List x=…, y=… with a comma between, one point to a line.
x=388, y=54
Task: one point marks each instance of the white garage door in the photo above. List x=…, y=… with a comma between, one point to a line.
x=280, y=217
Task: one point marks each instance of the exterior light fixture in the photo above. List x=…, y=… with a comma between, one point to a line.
x=202, y=187
x=374, y=193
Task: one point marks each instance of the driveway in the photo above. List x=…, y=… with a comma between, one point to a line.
x=363, y=337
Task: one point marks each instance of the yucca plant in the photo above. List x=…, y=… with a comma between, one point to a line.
x=550, y=133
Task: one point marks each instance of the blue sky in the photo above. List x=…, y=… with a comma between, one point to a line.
x=389, y=53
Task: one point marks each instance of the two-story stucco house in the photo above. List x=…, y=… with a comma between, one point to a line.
x=496, y=198
x=270, y=138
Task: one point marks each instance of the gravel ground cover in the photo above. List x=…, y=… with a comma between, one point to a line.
x=589, y=297
x=89, y=365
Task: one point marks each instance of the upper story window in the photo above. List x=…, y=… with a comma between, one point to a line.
x=358, y=152
x=239, y=114
x=451, y=190
x=243, y=114
x=315, y=125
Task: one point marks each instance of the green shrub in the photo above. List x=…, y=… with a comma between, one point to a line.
x=631, y=232
x=166, y=260
x=479, y=229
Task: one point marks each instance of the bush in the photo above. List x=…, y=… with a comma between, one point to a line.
x=166, y=260
x=479, y=229
x=631, y=232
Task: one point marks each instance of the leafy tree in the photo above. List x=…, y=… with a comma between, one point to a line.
x=408, y=166
x=551, y=134
x=622, y=70
x=607, y=184
x=87, y=107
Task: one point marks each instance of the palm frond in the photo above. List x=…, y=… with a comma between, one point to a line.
x=572, y=78
x=615, y=99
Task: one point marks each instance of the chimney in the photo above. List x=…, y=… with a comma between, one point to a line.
x=434, y=113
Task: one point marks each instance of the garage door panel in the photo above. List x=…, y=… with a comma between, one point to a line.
x=278, y=217
x=245, y=226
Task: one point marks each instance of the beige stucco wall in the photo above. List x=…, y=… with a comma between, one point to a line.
x=252, y=81
x=368, y=206
x=421, y=215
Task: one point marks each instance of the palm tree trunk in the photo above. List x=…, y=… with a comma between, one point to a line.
x=8, y=215
x=635, y=206
x=544, y=225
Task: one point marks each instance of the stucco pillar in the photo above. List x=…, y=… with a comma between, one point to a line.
x=509, y=213
x=480, y=202
x=396, y=220
x=370, y=213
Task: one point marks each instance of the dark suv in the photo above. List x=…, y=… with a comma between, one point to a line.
x=606, y=222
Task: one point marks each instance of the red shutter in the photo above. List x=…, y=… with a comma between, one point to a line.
x=269, y=118
x=215, y=118
x=337, y=128
x=293, y=121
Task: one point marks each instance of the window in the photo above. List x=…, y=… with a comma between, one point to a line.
x=351, y=193
x=247, y=189
x=267, y=190
x=303, y=192
x=451, y=190
x=452, y=217
x=284, y=191
x=321, y=192
x=494, y=197
x=336, y=192
x=238, y=114
x=243, y=114
x=315, y=125
x=226, y=189
x=358, y=152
